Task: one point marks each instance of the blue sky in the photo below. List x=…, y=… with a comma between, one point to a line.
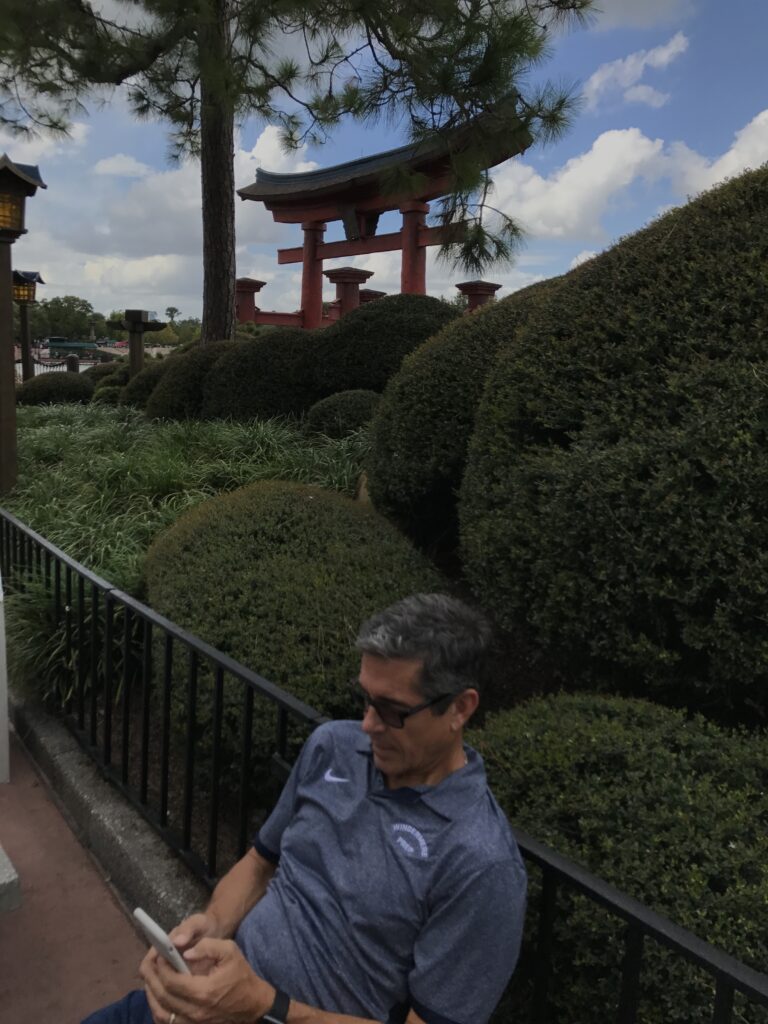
x=675, y=100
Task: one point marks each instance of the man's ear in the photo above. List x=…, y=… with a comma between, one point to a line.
x=464, y=706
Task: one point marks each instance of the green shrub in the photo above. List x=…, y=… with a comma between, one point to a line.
x=179, y=393
x=100, y=371
x=670, y=810
x=118, y=378
x=54, y=387
x=265, y=377
x=139, y=388
x=366, y=347
x=342, y=413
x=279, y=576
x=616, y=485
x=422, y=427
x=108, y=394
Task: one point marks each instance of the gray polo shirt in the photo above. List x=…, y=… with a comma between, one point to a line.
x=386, y=899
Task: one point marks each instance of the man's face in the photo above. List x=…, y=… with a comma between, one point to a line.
x=427, y=747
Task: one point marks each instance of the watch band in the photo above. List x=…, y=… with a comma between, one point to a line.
x=278, y=1011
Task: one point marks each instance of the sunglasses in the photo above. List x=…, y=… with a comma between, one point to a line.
x=390, y=715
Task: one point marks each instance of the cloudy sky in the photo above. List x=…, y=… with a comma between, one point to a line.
x=674, y=100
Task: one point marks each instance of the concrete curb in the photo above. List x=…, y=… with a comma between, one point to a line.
x=10, y=890
x=136, y=861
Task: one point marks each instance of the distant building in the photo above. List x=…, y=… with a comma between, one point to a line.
x=60, y=347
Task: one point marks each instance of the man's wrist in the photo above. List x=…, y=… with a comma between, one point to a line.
x=278, y=1011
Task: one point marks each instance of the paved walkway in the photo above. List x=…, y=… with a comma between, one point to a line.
x=70, y=946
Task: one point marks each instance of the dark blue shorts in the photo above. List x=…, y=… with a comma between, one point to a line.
x=133, y=1009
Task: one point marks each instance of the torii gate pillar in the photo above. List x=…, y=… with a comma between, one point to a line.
x=312, y=275
x=413, y=272
x=347, y=281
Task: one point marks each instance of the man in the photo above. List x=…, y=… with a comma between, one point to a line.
x=386, y=884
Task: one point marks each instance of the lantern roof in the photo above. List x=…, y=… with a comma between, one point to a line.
x=28, y=173
x=27, y=277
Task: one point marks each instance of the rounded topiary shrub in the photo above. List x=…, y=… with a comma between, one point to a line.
x=342, y=413
x=179, y=392
x=671, y=810
x=264, y=377
x=615, y=492
x=422, y=427
x=101, y=371
x=365, y=347
x=118, y=378
x=53, y=387
x=279, y=576
x=108, y=394
x=139, y=388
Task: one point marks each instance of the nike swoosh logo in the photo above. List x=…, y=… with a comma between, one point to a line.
x=330, y=777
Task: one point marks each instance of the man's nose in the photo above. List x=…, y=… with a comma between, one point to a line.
x=371, y=720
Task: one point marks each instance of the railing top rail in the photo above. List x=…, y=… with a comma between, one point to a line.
x=745, y=979
x=237, y=669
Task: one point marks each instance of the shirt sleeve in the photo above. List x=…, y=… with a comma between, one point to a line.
x=267, y=840
x=466, y=952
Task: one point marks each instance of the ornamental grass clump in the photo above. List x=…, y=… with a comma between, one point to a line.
x=671, y=810
x=615, y=492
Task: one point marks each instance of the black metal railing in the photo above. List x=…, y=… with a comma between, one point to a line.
x=199, y=743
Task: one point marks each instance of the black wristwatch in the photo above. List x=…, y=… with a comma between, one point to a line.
x=278, y=1011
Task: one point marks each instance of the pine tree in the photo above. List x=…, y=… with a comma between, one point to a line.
x=454, y=68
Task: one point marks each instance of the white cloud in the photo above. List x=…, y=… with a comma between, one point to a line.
x=582, y=257
x=640, y=13
x=572, y=201
x=123, y=166
x=624, y=74
x=646, y=94
x=691, y=172
x=31, y=149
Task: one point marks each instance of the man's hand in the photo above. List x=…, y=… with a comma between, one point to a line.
x=228, y=993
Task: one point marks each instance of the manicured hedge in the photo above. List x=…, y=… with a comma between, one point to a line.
x=97, y=373
x=270, y=375
x=422, y=427
x=617, y=480
x=279, y=576
x=118, y=378
x=670, y=810
x=366, y=347
x=139, y=388
x=179, y=393
x=53, y=387
x=342, y=413
x=108, y=394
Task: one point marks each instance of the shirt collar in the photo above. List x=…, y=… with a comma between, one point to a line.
x=449, y=798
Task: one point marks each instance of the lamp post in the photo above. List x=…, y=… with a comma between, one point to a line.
x=24, y=284
x=17, y=181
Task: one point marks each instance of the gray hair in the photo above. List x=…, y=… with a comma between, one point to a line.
x=452, y=640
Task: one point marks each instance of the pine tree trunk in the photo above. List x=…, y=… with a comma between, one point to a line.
x=217, y=173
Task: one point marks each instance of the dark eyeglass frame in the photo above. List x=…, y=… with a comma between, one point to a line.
x=390, y=715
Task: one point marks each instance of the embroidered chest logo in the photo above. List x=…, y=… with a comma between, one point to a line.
x=410, y=840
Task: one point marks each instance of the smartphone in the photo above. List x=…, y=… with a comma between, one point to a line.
x=160, y=941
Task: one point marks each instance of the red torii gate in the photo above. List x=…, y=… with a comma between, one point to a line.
x=356, y=193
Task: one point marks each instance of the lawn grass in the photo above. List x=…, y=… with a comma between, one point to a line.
x=101, y=482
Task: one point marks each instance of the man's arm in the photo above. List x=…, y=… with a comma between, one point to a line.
x=238, y=892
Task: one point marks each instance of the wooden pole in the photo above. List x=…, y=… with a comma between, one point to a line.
x=27, y=366
x=312, y=275
x=413, y=270
x=8, y=467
